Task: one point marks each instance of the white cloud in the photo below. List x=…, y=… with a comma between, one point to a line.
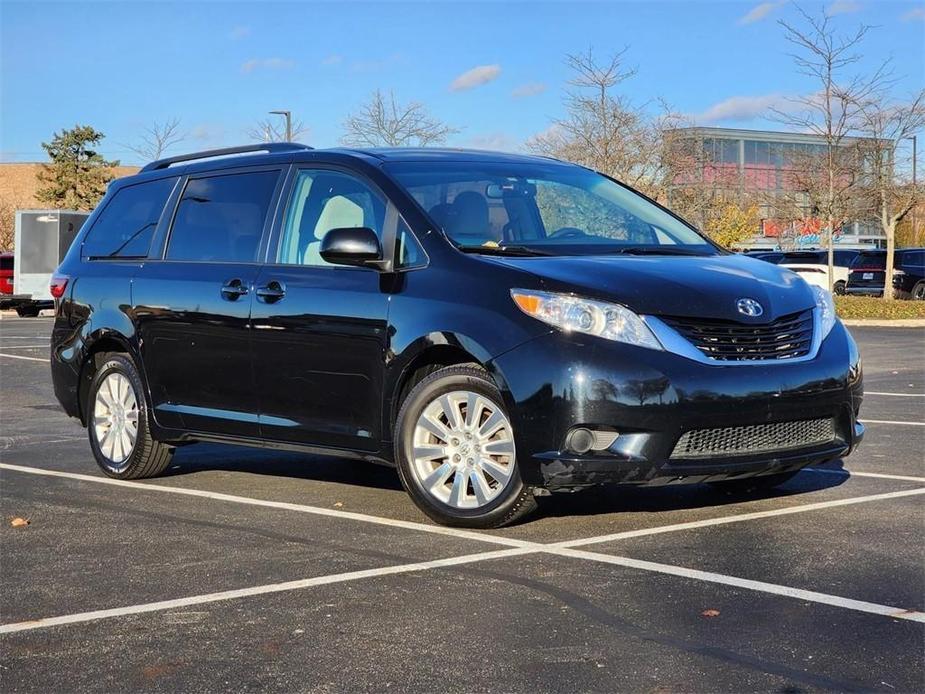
x=759, y=12
x=842, y=7
x=915, y=14
x=333, y=59
x=741, y=108
x=499, y=142
x=477, y=76
x=239, y=32
x=267, y=64
x=531, y=89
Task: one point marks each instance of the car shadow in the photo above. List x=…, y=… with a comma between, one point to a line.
x=207, y=457
x=676, y=497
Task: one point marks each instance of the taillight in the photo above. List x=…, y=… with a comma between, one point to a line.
x=57, y=285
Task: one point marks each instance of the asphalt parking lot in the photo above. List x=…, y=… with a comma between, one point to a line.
x=244, y=569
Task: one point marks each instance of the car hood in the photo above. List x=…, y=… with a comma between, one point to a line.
x=695, y=286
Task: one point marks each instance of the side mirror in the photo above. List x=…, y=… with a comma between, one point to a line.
x=351, y=246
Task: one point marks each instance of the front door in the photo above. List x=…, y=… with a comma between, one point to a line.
x=192, y=306
x=319, y=330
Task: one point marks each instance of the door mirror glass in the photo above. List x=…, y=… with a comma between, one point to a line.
x=351, y=246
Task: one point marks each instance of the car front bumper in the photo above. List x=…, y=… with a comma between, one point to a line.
x=557, y=382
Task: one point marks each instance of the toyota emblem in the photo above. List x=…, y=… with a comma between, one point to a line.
x=749, y=307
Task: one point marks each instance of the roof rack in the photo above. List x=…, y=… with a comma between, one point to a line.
x=270, y=147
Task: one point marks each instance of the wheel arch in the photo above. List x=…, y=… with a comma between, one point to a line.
x=421, y=357
x=96, y=344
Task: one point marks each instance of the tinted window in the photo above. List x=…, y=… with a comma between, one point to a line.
x=812, y=258
x=6, y=262
x=844, y=258
x=869, y=260
x=127, y=223
x=912, y=258
x=323, y=200
x=221, y=218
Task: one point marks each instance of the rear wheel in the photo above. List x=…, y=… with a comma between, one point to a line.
x=454, y=445
x=918, y=291
x=840, y=287
x=117, y=423
x=754, y=484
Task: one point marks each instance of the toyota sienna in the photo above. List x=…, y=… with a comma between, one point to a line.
x=497, y=327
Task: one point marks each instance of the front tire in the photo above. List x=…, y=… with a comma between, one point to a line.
x=454, y=446
x=117, y=423
x=839, y=288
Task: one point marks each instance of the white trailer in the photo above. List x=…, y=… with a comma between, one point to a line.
x=42, y=240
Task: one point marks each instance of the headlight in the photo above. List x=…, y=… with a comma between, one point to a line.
x=574, y=314
x=826, y=305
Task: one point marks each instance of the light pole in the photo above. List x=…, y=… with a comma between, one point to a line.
x=288, y=115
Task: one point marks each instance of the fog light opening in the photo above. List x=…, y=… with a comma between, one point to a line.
x=581, y=440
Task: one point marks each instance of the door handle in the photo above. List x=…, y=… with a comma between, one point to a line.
x=272, y=292
x=232, y=289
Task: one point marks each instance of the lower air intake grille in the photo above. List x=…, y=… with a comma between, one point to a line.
x=755, y=438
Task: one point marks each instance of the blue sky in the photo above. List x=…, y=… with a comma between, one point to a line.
x=496, y=70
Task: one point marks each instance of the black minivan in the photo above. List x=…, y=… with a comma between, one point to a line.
x=495, y=326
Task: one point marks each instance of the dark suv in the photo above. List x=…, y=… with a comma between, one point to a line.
x=868, y=273
x=909, y=274
x=495, y=326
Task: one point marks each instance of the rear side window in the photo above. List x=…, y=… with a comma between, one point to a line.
x=912, y=258
x=869, y=260
x=221, y=218
x=126, y=225
x=6, y=263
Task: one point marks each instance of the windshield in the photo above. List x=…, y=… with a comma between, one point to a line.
x=552, y=209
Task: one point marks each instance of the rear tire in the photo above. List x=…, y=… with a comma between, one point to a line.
x=27, y=311
x=754, y=484
x=454, y=447
x=918, y=291
x=117, y=423
x=839, y=288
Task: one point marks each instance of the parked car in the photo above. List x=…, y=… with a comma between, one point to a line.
x=6, y=273
x=909, y=274
x=865, y=276
x=495, y=326
x=813, y=266
x=773, y=257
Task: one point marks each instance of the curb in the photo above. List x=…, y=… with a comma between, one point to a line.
x=877, y=323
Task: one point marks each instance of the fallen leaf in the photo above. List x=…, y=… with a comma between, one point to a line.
x=710, y=613
x=19, y=522
x=338, y=504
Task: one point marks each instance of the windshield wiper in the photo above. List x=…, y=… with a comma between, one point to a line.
x=513, y=250
x=657, y=250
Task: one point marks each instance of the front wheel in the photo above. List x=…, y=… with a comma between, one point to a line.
x=839, y=288
x=117, y=423
x=454, y=445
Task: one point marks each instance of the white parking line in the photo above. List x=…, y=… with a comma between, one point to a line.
x=25, y=347
x=723, y=520
x=896, y=395
x=748, y=584
x=855, y=473
x=301, y=508
x=516, y=547
x=19, y=356
x=892, y=421
x=4, y=336
x=260, y=590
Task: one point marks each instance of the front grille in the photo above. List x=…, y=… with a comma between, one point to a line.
x=754, y=438
x=787, y=337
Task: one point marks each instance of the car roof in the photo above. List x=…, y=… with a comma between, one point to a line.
x=285, y=153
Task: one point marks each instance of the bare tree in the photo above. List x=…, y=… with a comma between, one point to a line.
x=383, y=121
x=829, y=112
x=268, y=130
x=157, y=138
x=605, y=131
x=890, y=194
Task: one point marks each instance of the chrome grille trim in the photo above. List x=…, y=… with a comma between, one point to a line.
x=672, y=341
x=753, y=438
x=787, y=337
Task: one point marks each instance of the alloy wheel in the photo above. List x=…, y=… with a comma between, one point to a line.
x=463, y=450
x=115, y=418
